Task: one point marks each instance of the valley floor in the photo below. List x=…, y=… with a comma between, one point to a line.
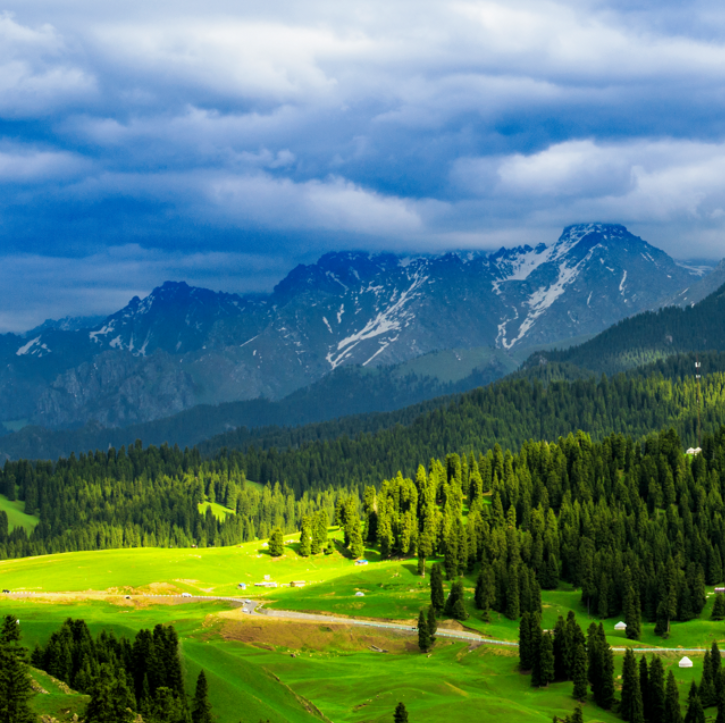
x=261, y=667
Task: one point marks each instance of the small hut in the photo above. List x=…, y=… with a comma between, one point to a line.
x=685, y=663
x=620, y=626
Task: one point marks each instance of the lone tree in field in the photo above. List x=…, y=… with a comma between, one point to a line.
x=400, y=715
x=201, y=708
x=423, y=632
x=276, y=542
x=432, y=624
x=718, y=609
x=437, y=596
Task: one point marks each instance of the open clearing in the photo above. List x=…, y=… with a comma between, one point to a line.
x=16, y=515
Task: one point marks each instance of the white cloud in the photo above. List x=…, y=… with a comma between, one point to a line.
x=35, y=74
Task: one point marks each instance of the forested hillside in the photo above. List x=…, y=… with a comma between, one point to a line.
x=152, y=496
x=650, y=336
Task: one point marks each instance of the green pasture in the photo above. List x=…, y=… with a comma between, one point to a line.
x=251, y=682
x=16, y=514
x=200, y=571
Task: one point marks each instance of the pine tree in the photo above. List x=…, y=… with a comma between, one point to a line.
x=644, y=686
x=579, y=671
x=305, y=537
x=546, y=660
x=718, y=609
x=437, y=596
x=706, y=691
x=525, y=657
x=672, y=701
x=561, y=652
x=15, y=686
x=432, y=624
x=356, y=543
x=536, y=637
x=100, y=706
x=201, y=707
x=716, y=664
x=632, y=614
x=455, y=607
x=577, y=716
x=513, y=602
x=720, y=696
x=656, y=692
x=276, y=542
x=695, y=712
x=631, y=708
x=485, y=590
x=423, y=633
x=401, y=714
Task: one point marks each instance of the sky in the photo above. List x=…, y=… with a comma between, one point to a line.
x=224, y=142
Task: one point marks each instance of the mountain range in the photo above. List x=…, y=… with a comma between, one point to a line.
x=183, y=346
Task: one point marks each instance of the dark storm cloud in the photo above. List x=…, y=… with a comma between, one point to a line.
x=223, y=143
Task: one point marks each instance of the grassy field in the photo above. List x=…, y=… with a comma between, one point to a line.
x=16, y=514
x=264, y=669
x=267, y=670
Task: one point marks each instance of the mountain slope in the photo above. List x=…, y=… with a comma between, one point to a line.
x=182, y=346
x=649, y=336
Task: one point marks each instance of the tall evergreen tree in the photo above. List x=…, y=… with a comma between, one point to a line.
x=525, y=656
x=437, y=596
x=644, y=686
x=672, y=701
x=423, y=633
x=656, y=692
x=546, y=660
x=432, y=624
x=695, y=712
x=579, y=671
x=706, y=690
x=276, y=542
x=718, y=609
x=15, y=686
x=631, y=708
x=305, y=537
x=201, y=707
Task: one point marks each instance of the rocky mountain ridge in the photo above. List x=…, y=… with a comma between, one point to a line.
x=182, y=346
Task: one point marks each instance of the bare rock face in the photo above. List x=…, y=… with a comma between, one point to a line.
x=181, y=346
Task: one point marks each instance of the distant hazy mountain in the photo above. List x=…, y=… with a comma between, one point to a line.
x=182, y=346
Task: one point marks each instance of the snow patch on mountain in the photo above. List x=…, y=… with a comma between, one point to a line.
x=390, y=319
x=34, y=347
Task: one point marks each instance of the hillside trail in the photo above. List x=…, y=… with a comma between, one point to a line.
x=255, y=608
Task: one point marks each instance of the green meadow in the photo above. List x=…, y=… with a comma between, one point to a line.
x=16, y=514
x=262, y=669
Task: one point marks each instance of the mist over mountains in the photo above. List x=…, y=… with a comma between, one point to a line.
x=182, y=346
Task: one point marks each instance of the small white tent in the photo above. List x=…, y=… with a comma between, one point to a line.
x=685, y=663
x=620, y=626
